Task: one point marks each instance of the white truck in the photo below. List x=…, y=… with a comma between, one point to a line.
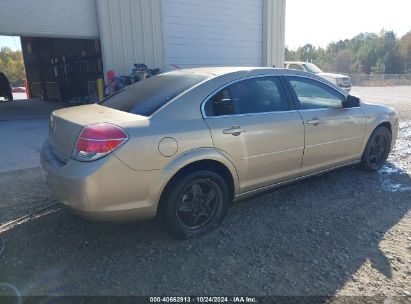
x=338, y=79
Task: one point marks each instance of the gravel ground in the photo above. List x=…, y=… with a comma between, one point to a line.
x=343, y=233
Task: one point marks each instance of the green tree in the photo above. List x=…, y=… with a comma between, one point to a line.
x=342, y=62
x=405, y=51
x=390, y=54
x=307, y=53
x=322, y=59
x=365, y=53
x=12, y=64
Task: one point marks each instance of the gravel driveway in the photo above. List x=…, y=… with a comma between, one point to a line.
x=343, y=233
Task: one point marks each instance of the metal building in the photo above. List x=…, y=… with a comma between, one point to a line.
x=186, y=33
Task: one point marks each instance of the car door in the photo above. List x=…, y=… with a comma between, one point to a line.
x=333, y=134
x=253, y=123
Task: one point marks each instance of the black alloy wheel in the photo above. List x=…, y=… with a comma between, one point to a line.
x=198, y=203
x=194, y=204
x=377, y=149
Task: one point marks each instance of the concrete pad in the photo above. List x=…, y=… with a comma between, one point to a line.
x=23, y=130
x=28, y=109
x=20, y=143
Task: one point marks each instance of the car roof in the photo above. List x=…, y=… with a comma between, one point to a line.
x=217, y=71
x=241, y=71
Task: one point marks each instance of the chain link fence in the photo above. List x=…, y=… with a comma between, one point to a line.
x=380, y=80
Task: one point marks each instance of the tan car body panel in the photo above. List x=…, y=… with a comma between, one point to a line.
x=265, y=153
x=63, y=141
x=376, y=115
x=335, y=141
x=105, y=189
x=128, y=183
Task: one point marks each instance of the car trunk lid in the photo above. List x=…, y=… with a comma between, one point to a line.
x=66, y=125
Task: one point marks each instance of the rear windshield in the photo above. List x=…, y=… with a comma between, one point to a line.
x=147, y=96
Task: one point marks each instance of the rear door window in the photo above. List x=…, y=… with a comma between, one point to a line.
x=147, y=96
x=255, y=95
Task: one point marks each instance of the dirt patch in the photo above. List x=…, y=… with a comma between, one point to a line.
x=22, y=192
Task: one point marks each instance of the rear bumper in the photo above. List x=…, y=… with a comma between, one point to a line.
x=104, y=190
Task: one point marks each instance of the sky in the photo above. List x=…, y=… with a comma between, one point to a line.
x=11, y=42
x=320, y=22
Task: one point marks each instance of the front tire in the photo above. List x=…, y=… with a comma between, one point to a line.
x=377, y=149
x=194, y=204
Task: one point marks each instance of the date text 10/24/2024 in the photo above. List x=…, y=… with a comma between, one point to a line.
x=237, y=299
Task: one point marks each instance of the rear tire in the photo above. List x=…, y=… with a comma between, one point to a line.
x=194, y=205
x=377, y=149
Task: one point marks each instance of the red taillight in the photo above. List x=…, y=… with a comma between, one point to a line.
x=95, y=141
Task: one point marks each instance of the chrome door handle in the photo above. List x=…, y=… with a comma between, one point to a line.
x=314, y=121
x=235, y=131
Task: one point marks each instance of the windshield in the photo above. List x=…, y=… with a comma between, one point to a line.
x=312, y=68
x=149, y=95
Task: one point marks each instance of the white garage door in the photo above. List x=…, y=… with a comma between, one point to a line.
x=49, y=18
x=213, y=32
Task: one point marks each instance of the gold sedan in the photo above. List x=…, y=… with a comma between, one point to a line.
x=185, y=144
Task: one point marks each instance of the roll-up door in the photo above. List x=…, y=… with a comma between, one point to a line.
x=49, y=18
x=213, y=32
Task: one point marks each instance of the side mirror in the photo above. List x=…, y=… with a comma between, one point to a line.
x=351, y=102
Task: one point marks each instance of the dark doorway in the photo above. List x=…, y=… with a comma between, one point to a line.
x=62, y=69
